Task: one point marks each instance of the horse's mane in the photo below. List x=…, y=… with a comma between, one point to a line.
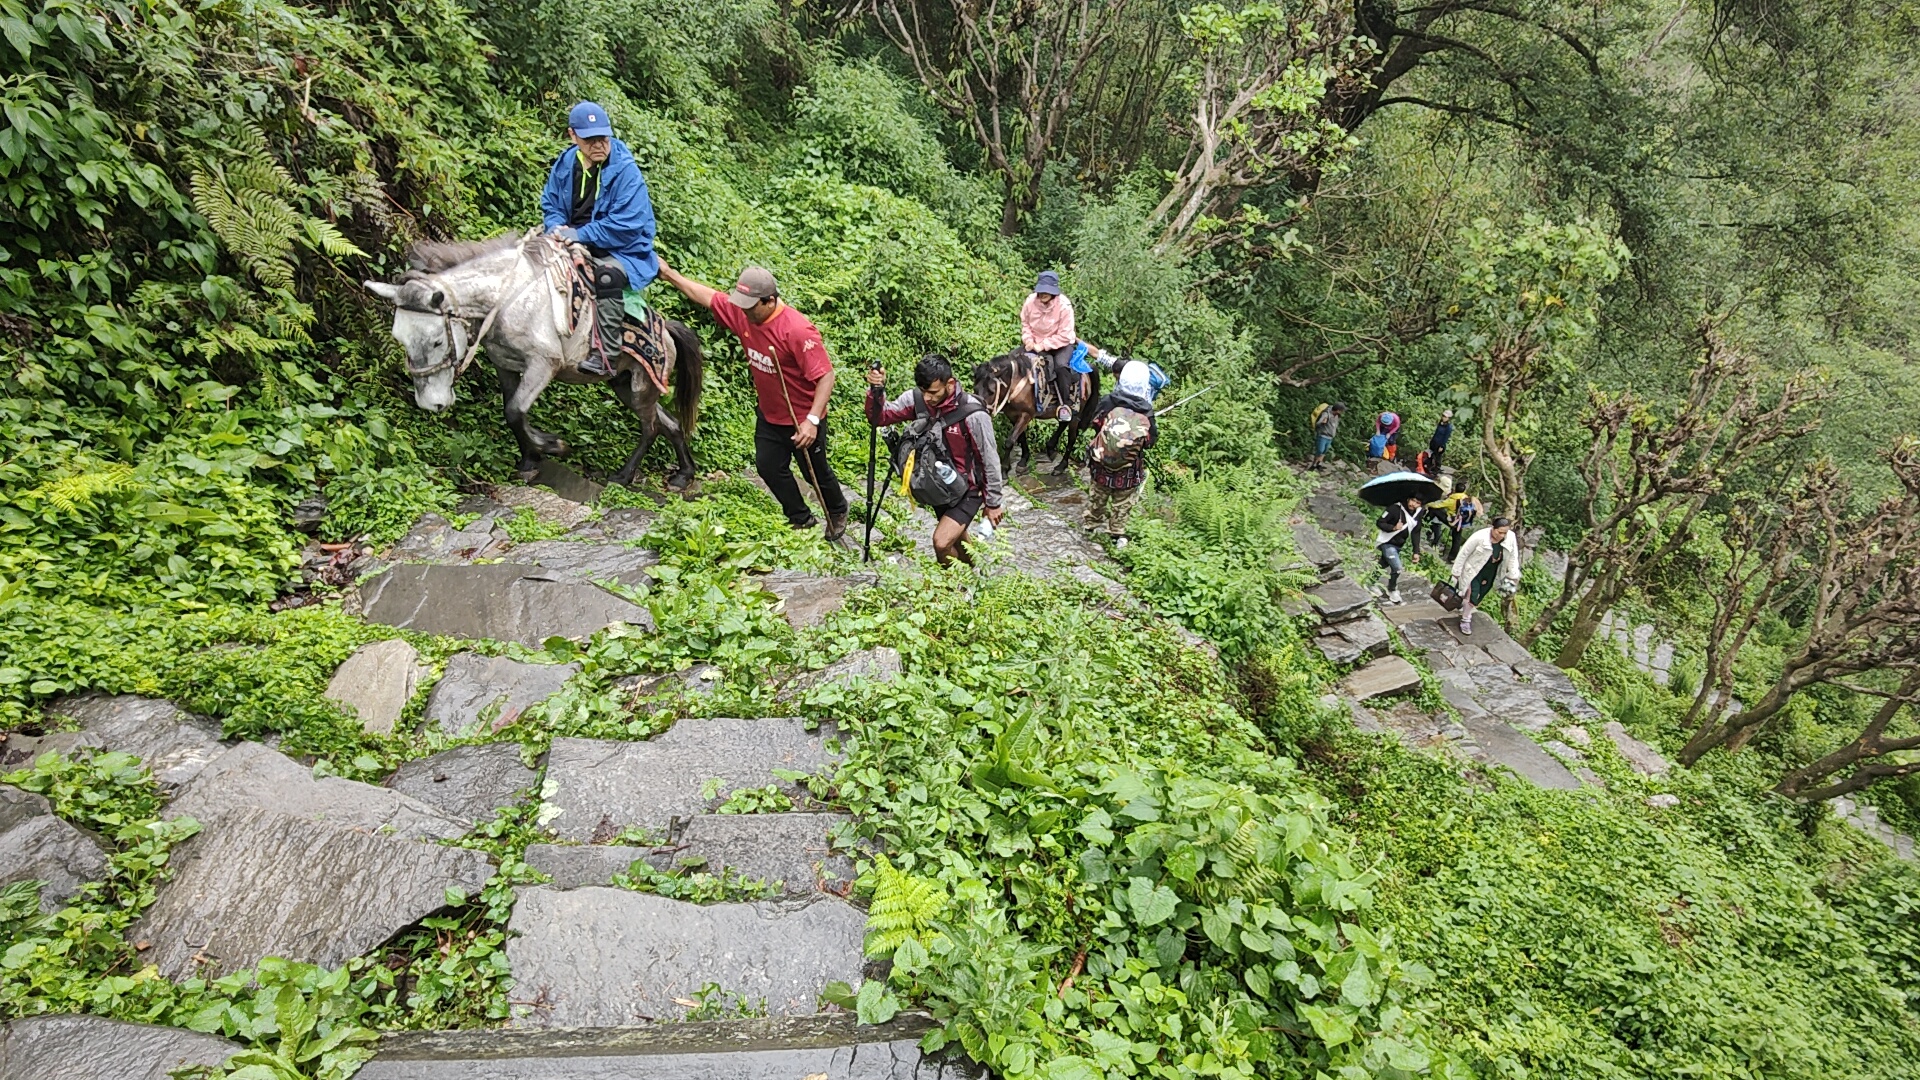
x=433, y=256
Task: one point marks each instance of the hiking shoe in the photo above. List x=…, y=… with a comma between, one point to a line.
x=1119, y=543
x=836, y=526
x=1466, y=627
x=1064, y=414
x=807, y=524
x=1393, y=597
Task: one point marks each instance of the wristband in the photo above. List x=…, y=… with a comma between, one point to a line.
x=812, y=419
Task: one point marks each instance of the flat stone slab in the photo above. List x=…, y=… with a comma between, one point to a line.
x=1314, y=547
x=1338, y=516
x=376, y=682
x=793, y=849
x=257, y=883
x=1644, y=758
x=833, y=1047
x=37, y=846
x=1508, y=651
x=1521, y=706
x=607, y=957
x=172, y=745
x=1417, y=607
x=1353, y=641
x=252, y=776
x=566, y=483
x=1427, y=635
x=1384, y=677
x=576, y=560
x=619, y=524
x=806, y=599
x=433, y=539
x=575, y=866
x=877, y=665
x=467, y=783
x=1338, y=599
x=1465, y=657
x=601, y=786
x=1462, y=700
x=491, y=689
x=697, y=680
x=503, y=602
x=61, y=1047
x=1500, y=744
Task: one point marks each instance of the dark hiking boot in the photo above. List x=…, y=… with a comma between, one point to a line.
x=836, y=526
x=809, y=523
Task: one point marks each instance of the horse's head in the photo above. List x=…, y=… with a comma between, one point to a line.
x=426, y=325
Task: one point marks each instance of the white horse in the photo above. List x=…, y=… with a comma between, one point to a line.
x=516, y=291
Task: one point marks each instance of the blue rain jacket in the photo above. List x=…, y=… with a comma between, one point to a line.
x=622, y=213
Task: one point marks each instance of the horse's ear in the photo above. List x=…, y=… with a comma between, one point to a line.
x=383, y=290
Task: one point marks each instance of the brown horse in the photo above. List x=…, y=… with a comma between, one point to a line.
x=1005, y=384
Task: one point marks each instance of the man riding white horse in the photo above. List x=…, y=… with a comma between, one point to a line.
x=596, y=196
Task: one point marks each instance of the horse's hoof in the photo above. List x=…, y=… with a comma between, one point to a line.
x=679, y=481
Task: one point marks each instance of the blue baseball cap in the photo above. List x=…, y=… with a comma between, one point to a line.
x=1048, y=282
x=588, y=120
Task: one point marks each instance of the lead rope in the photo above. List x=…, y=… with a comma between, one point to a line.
x=806, y=460
x=486, y=324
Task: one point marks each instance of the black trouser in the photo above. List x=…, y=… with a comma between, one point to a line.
x=773, y=454
x=1065, y=379
x=609, y=290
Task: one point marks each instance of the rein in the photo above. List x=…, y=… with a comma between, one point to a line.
x=453, y=312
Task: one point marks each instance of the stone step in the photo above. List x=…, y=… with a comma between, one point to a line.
x=501, y=602
x=1385, y=677
x=490, y=688
x=814, y=1048
x=256, y=883
x=377, y=682
x=173, y=745
x=805, y=599
x=60, y=1047
x=467, y=783
x=599, y=957
x=1499, y=744
x=1316, y=548
x=1339, y=599
x=794, y=849
x=882, y=664
x=1509, y=700
x=37, y=846
x=601, y=786
x=579, y=560
x=252, y=776
x=1352, y=641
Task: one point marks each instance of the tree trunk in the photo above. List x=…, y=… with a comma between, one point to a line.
x=1871, y=743
x=1586, y=623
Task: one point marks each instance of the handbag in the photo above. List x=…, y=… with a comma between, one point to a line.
x=1444, y=595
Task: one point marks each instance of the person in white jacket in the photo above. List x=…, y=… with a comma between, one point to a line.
x=1489, y=559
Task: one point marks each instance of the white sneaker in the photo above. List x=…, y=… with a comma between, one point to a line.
x=1466, y=627
x=1119, y=543
x=1393, y=597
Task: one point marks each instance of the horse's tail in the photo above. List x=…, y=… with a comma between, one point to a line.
x=689, y=375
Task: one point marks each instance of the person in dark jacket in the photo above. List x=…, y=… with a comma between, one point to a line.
x=1117, y=484
x=970, y=445
x=1437, y=446
x=596, y=196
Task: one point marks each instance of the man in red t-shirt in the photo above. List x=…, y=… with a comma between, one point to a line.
x=793, y=377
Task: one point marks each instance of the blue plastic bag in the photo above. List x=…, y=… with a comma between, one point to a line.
x=1079, y=361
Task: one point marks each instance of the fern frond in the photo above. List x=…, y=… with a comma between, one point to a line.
x=69, y=494
x=904, y=906
x=324, y=238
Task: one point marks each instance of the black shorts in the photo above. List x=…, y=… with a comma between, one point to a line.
x=964, y=511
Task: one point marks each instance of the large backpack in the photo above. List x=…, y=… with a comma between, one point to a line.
x=933, y=480
x=1313, y=418
x=1377, y=446
x=1122, y=434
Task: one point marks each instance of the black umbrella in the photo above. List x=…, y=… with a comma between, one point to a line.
x=1398, y=487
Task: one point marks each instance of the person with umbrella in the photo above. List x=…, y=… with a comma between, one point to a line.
x=1490, y=558
x=1401, y=494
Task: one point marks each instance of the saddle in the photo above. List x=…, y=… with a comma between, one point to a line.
x=643, y=341
x=1040, y=373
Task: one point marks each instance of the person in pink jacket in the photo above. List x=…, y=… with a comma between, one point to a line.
x=1046, y=327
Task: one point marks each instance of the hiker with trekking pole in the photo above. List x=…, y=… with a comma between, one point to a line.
x=793, y=378
x=952, y=463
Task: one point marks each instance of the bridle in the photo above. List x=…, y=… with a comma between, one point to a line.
x=454, y=323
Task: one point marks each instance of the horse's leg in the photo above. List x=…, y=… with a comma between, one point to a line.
x=531, y=383
x=529, y=449
x=1017, y=441
x=1072, y=432
x=636, y=394
x=665, y=424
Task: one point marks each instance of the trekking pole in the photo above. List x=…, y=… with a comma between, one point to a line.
x=806, y=461
x=873, y=448
x=1184, y=400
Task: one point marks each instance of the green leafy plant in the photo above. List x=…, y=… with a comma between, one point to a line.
x=687, y=881
x=761, y=800
x=904, y=908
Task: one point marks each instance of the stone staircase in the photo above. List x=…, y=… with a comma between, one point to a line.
x=321, y=869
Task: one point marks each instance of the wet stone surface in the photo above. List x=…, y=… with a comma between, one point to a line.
x=1352, y=641
x=467, y=783
x=808, y=598
x=35, y=845
x=790, y=1048
x=172, y=744
x=576, y=560
x=601, y=786
x=1339, y=599
x=597, y=957
x=257, y=883
x=251, y=776
x=503, y=602
x=376, y=682
x=493, y=690
x=95, y=1048
x=1385, y=677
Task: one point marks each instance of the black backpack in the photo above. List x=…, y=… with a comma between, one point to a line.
x=933, y=480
